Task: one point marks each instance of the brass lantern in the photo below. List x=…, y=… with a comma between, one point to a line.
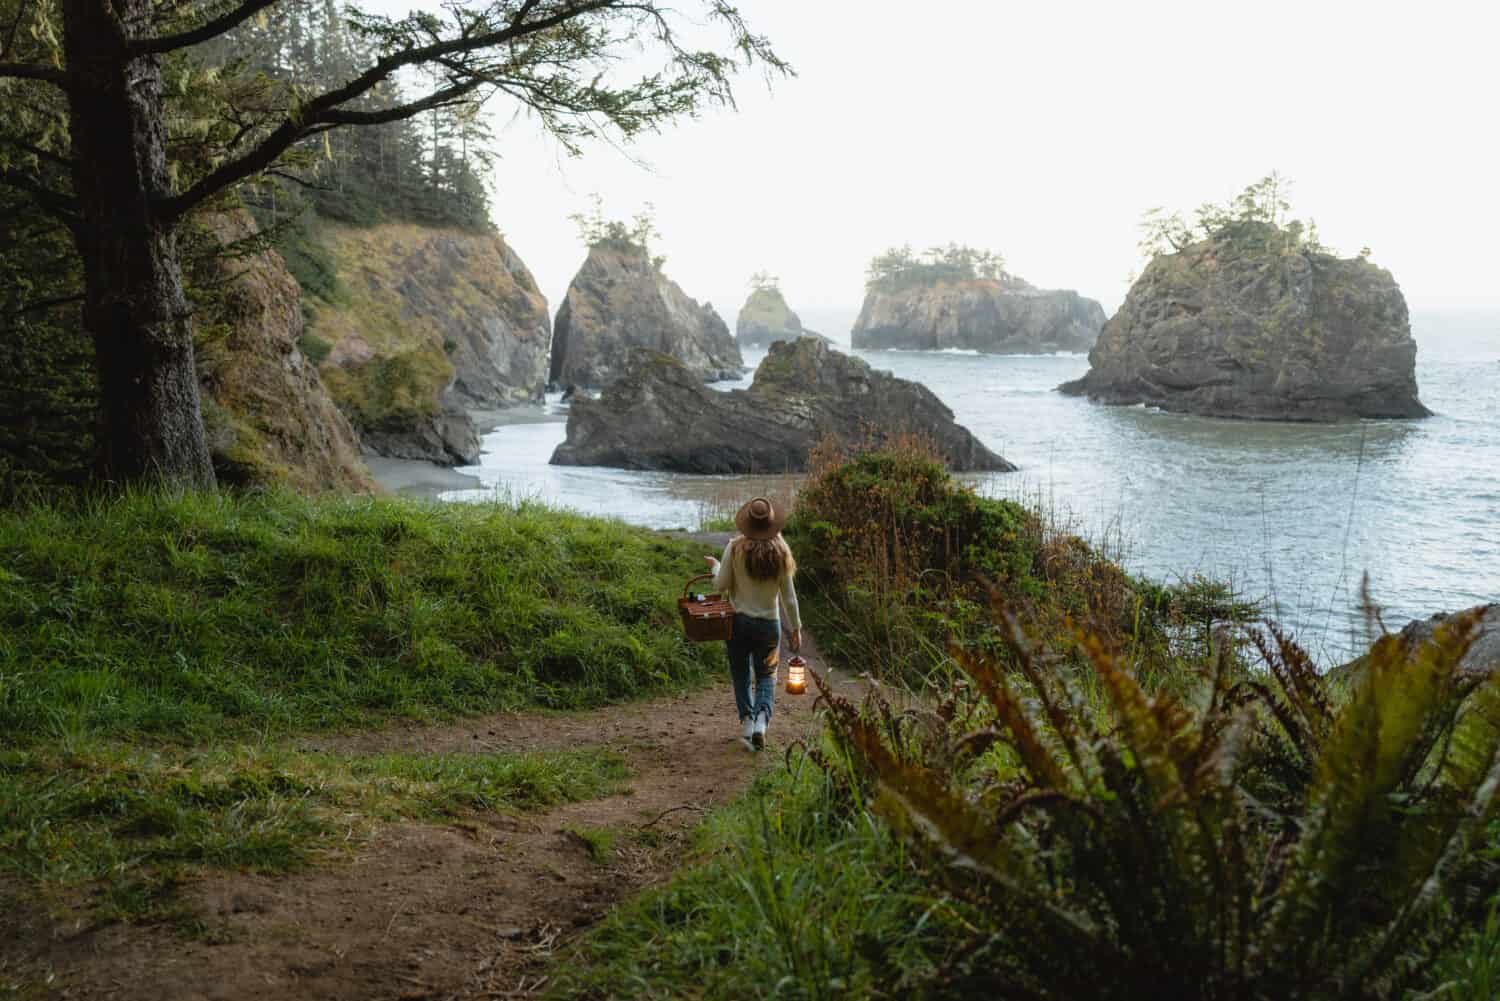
x=796, y=676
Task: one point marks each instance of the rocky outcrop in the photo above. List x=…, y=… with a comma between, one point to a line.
x=659, y=416
x=992, y=316
x=427, y=324
x=765, y=318
x=618, y=302
x=1482, y=657
x=1229, y=327
x=267, y=414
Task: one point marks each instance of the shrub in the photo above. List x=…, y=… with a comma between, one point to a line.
x=900, y=558
x=895, y=552
x=314, y=348
x=1263, y=840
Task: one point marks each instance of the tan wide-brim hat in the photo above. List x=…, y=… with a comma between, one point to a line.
x=759, y=519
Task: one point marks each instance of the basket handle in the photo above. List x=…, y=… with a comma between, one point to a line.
x=690, y=583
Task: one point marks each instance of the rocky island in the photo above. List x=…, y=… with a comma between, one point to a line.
x=619, y=301
x=660, y=416
x=1255, y=320
x=765, y=317
x=961, y=298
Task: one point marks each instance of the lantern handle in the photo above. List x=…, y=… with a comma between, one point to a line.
x=690, y=583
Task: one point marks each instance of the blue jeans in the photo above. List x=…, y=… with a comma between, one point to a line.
x=756, y=643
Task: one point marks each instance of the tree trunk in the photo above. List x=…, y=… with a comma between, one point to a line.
x=134, y=306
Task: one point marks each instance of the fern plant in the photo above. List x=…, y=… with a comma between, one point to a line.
x=1266, y=839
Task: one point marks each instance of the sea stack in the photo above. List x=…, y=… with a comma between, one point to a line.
x=1250, y=323
x=1002, y=315
x=620, y=301
x=659, y=416
x=766, y=318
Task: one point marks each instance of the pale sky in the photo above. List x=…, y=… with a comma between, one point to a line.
x=1043, y=130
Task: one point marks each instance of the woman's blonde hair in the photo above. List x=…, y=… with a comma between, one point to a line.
x=766, y=559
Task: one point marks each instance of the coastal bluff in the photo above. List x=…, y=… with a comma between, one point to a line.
x=428, y=324
x=268, y=416
x=988, y=315
x=658, y=415
x=619, y=301
x=1245, y=327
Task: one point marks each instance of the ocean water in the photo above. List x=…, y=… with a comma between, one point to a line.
x=1293, y=515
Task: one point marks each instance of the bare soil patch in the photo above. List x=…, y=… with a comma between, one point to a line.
x=466, y=909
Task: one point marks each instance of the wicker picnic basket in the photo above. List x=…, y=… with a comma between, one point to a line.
x=705, y=617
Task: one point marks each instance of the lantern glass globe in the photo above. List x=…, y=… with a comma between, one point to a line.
x=796, y=676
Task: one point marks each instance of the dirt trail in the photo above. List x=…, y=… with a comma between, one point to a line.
x=462, y=910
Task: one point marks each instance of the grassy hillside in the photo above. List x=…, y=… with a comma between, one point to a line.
x=192, y=615
x=156, y=652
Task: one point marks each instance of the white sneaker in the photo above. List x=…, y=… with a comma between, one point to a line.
x=758, y=733
x=747, y=730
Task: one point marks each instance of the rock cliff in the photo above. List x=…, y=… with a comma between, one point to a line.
x=1230, y=328
x=765, y=318
x=992, y=316
x=269, y=418
x=619, y=301
x=659, y=416
x=427, y=323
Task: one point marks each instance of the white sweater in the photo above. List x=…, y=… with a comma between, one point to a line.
x=756, y=598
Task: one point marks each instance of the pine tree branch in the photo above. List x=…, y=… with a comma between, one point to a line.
x=34, y=71
x=202, y=33
x=54, y=202
x=38, y=152
x=43, y=304
x=299, y=181
x=326, y=109
x=444, y=98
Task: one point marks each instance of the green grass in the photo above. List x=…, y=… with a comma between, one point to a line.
x=135, y=821
x=158, y=653
x=796, y=895
x=599, y=842
x=184, y=617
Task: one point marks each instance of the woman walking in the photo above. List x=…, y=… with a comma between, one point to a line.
x=756, y=570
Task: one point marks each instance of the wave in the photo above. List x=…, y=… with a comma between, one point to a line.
x=976, y=352
x=930, y=351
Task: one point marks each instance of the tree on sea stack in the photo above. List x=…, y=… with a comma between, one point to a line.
x=595, y=228
x=87, y=136
x=1246, y=314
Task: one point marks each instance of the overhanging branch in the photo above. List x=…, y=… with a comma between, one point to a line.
x=327, y=109
x=441, y=99
x=212, y=29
